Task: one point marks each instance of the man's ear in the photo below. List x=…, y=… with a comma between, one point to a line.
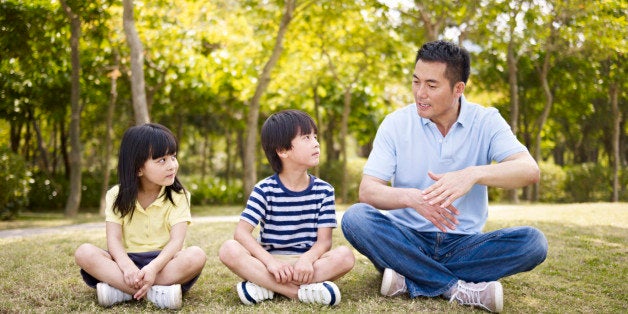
x=459, y=88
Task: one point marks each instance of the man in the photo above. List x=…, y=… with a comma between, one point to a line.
x=424, y=229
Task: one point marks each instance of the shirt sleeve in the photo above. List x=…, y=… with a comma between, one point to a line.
x=110, y=198
x=504, y=143
x=327, y=216
x=381, y=160
x=255, y=207
x=180, y=209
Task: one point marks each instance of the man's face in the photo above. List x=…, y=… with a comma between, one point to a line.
x=433, y=95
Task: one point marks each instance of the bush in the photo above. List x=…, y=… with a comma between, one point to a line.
x=214, y=191
x=588, y=182
x=552, y=185
x=333, y=171
x=50, y=192
x=14, y=184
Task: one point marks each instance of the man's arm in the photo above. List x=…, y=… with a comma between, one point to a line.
x=379, y=194
x=516, y=171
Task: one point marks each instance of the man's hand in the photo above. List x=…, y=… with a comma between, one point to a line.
x=448, y=187
x=442, y=217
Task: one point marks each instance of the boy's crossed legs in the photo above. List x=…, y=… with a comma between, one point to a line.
x=330, y=266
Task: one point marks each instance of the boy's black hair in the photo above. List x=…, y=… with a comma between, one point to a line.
x=280, y=129
x=456, y=57
x=139, y=144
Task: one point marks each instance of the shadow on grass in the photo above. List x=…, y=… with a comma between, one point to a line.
x=585, y=272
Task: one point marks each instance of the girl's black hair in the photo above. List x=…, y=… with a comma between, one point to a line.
x=139, y=144
x=280, y=129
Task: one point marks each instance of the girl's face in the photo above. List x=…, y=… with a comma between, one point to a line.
x=159, y=172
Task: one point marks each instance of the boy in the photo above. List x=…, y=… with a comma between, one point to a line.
x=296, y=213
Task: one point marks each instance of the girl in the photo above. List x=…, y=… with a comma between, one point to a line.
x=147, y=215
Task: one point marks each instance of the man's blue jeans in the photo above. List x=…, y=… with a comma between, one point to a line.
x=433, y=262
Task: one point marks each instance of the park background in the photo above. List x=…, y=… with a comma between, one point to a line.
x=75, y=74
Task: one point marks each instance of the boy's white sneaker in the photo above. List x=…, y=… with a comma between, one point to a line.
x=325, y=292
x=486, y=295
x=166, y=297
x=392, y=283
x=108, y=295
x=251, y=293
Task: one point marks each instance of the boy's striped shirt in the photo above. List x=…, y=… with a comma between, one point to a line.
x=289, y=220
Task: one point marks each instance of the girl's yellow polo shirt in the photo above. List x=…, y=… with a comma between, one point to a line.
x=149, y=228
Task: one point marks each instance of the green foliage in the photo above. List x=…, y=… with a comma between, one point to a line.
x=14, y=184
x=332, y=173
x=552, y=186
x=214, y=191
x=588, y=182
x=48, y=192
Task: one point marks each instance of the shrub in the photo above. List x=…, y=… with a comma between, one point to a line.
x=214, y=191
x=14, y=184
x=332, y=173
x=552, y=185
x=588, y=182
x=49, y=192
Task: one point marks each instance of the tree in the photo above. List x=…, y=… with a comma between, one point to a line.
x=250, y=146
x=74, y=198
x=138, y=87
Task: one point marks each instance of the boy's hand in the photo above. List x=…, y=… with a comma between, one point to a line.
x=303, y=272
x=283, y=272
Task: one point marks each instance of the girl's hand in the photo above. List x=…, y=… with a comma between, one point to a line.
x=130, y=273
x=283, y=272
x=303, y=272
x=144, y=280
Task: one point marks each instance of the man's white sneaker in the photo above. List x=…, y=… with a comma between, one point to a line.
x=325, y=292
x=251, y=293
x=393, y=283
x=165, y=297
x=108, y=295
x=486, y=295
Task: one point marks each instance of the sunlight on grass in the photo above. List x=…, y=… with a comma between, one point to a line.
x=584, y=272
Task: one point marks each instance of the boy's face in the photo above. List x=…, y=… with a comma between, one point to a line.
x=305, y=151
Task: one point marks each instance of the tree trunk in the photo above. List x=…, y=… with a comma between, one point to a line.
x=614, y=93
x=344, y=132
x=250, y=146
x=549, y=100
x=514, y=99
x=317, y=120
x=74, y=198
x=138, y=89
x=114, y=74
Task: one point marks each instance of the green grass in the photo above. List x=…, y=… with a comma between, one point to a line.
x=585, y=272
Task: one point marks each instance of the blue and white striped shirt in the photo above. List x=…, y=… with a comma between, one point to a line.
x=289, y=220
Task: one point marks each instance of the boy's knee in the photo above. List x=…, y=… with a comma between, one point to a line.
x=228, y=251
x=347, y=258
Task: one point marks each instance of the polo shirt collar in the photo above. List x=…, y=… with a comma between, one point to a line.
x=464, y=117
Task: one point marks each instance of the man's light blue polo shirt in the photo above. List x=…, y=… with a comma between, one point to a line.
x=407, y=146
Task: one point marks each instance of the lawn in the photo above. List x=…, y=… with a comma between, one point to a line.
x=586, y=269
